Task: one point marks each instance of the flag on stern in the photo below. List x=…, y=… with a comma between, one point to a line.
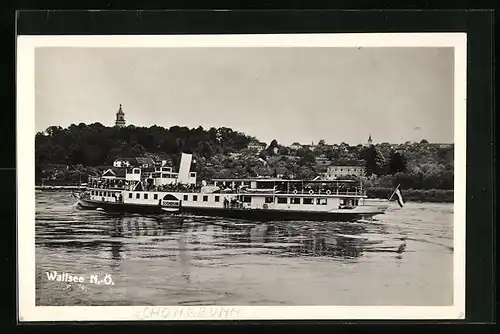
x=399, y=198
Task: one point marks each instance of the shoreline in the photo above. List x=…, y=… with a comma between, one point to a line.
x=414, y=195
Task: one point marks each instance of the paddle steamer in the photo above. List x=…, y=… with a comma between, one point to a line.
x=162, y=191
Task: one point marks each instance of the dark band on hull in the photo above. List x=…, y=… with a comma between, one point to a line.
x=246, y=214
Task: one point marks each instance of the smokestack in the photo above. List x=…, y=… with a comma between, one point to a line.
x=185, y=168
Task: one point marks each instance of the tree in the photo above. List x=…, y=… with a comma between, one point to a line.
x=306, y=157
x=332, y=154
x=283, y=150
x=379, y=163
x=375, y=161
x=397, y=163
x=424, y=141
x=272, y=146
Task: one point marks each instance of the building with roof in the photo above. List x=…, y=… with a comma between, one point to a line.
x=124, y=162
x=256, y=146
x=145, y=162
x=114, y=174
x=333, y=172
x=295, y=146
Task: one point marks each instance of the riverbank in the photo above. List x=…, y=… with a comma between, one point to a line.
x=414, y=195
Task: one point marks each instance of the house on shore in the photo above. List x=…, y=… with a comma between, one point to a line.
x=256, y=146
x=295, y=146
x=335, y=171
x=124, y=162
x=114, y=174
x=145, y=162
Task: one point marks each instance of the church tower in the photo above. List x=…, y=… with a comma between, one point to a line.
x=370, y=139
x=120, y=118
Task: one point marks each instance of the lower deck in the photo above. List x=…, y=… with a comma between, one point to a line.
x=233, y=212
x=288, y=202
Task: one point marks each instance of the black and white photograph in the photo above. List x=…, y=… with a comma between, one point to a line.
x=313, y=176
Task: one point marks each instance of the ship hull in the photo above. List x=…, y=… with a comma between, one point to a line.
x=120, y=207
x=245, y=214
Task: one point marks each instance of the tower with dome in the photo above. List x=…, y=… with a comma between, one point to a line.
x=120, y=118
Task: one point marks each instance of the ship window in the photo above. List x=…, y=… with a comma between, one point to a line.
x=130, y=195
x=164, y=176
x=282, y=200
x=185, y=197
x=269, y=199
x=138, y=196
x=295, y=200
x=195, y=197
x=137, y=171
x=193, y=174
x=155, y=196
x=145, y=196
x=247, y=199
x=321, y=201
x=308, y=201
x=205, y=198
x=217, y=198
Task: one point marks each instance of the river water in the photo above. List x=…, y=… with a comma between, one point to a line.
x=142, y=260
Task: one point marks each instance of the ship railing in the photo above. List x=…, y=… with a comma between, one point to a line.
x=107, y=186
x=310, y=192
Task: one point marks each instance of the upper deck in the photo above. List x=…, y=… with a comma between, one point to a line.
x=250, y=186
x=295, y=187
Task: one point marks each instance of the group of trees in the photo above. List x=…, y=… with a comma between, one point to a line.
x=95, y=144
x=79, y=150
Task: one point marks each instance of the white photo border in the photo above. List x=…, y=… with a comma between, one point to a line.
x=25, y=118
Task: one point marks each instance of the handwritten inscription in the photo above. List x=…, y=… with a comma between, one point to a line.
x=98, y=279
x=152, y=312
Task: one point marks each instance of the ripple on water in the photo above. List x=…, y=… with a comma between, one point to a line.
x=206, y=260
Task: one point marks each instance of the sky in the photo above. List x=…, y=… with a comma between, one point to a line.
x=339, y=94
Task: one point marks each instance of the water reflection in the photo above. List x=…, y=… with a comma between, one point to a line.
x=184, y=257
x=113, y=232
x=210, y=261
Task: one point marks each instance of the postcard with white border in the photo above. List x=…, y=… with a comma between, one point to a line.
x=241, y=177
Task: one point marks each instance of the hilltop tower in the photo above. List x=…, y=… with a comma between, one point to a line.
x=120, y=118
x=370, y=139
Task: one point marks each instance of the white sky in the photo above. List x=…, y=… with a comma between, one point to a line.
x=287, y=94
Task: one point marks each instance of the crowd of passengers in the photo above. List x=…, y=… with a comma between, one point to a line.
x=107, y=184
x=333, y=188
x=121, y=184
x=291, y=188
x=341, y=188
